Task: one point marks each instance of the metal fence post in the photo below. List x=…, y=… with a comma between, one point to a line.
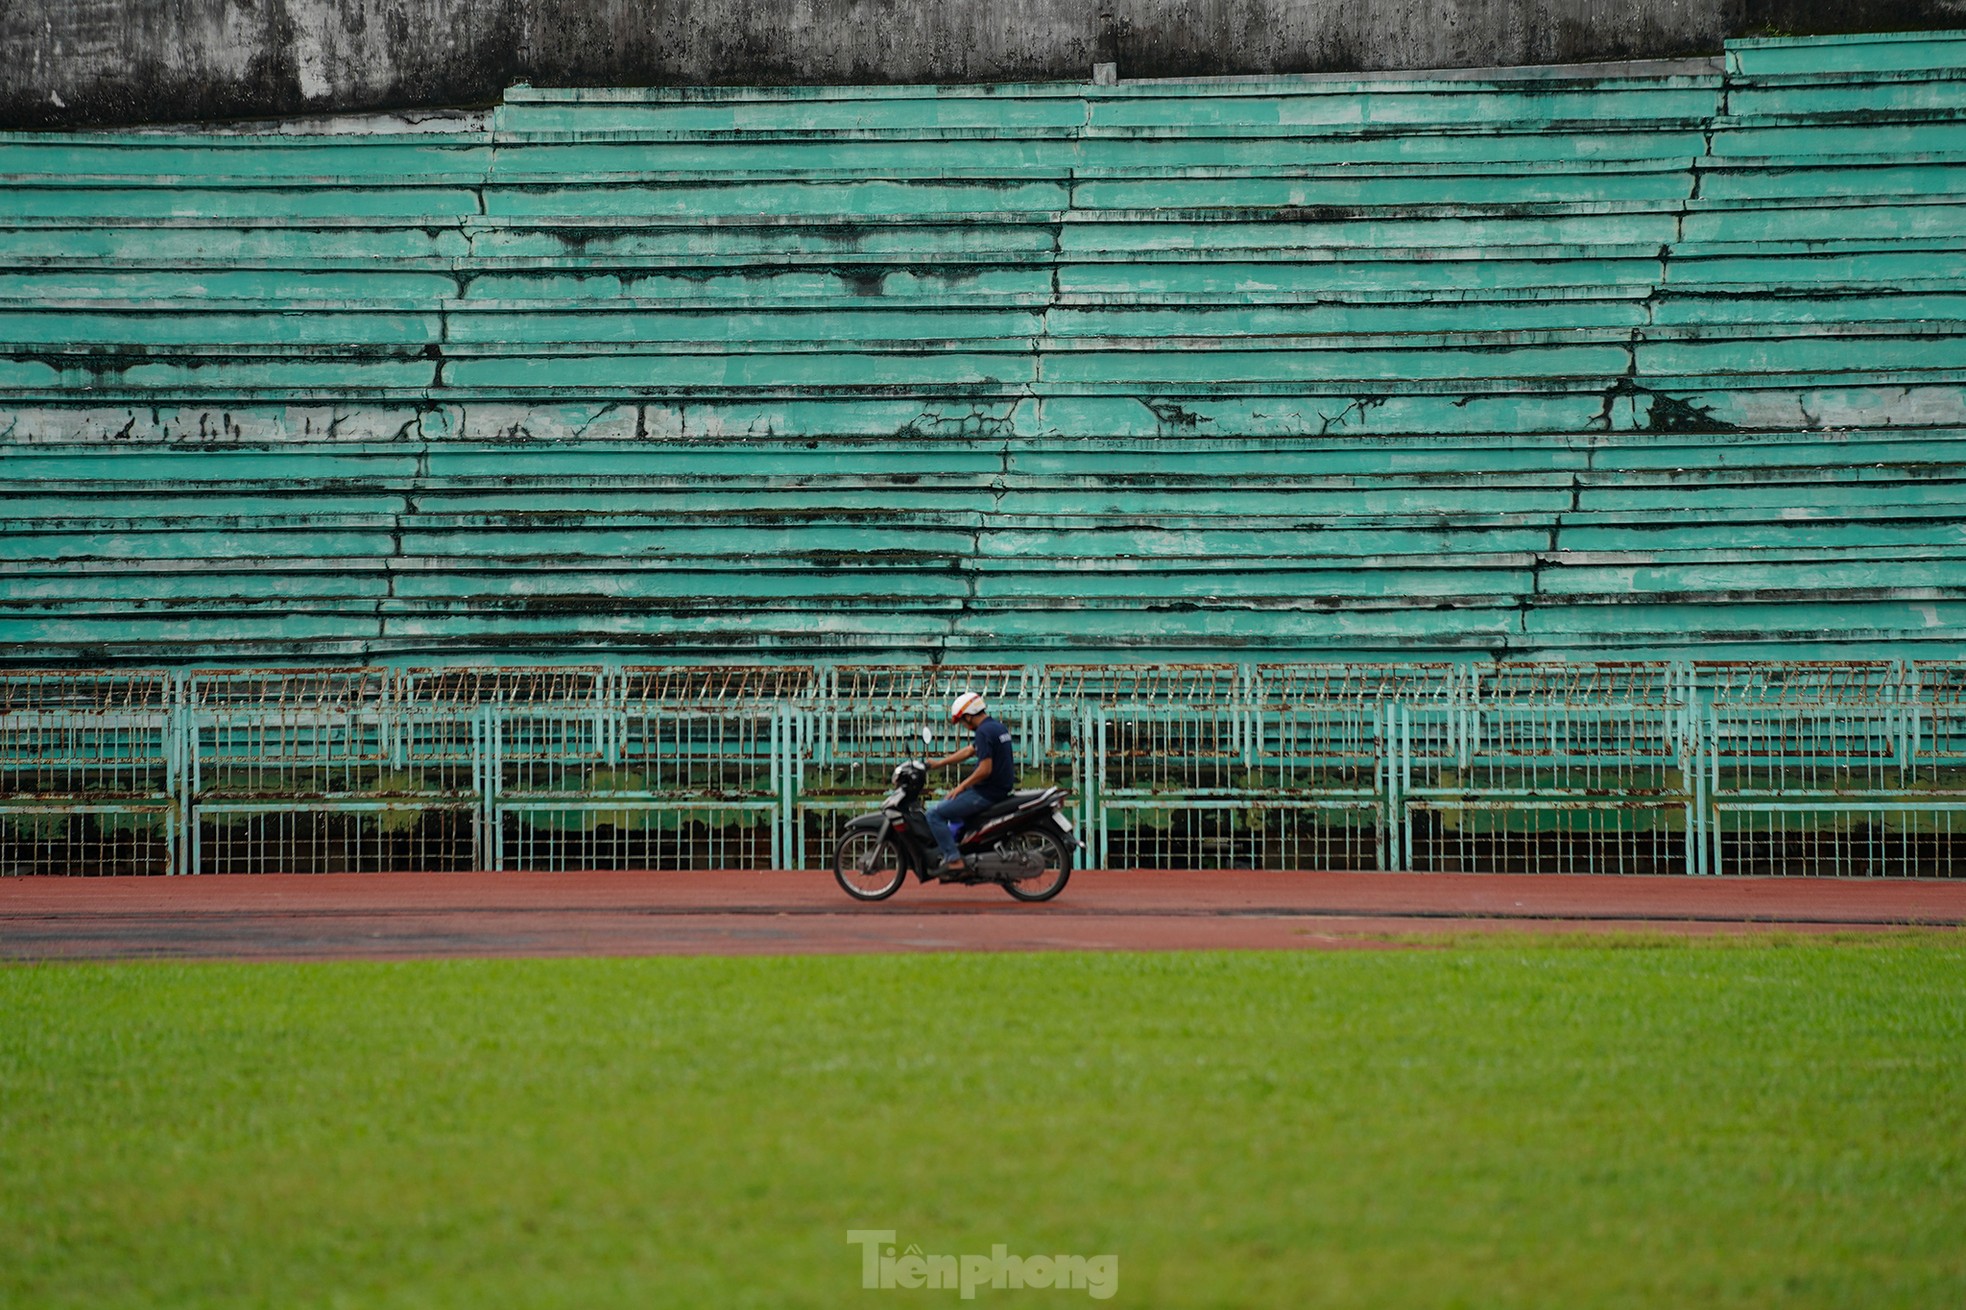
x=1394, y=753
x=1710, y=845
x=495, y=781
x=1093, y=803
x=780, y=765
x=1693, y=750
x=1099, y=775
x=791, y=729
x=193, y=780
x=176, y=761
x=481, y=836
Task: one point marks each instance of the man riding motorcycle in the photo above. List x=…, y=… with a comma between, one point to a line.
x=991, y=781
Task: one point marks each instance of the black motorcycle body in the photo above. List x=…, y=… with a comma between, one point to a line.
x=1023, y=843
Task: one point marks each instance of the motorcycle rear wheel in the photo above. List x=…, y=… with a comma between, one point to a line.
x=1051, y=852
x=867, y=866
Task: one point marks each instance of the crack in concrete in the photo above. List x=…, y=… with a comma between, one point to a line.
x=594, y=418
x=1359, y=405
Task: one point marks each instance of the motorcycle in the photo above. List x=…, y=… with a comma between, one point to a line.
x=1023, y=843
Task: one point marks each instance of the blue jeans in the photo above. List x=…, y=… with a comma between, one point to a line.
x=966, y=806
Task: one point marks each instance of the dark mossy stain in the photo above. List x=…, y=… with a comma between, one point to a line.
x=1671, y=414
x=826, y=559
x=1664, y=413
x=864, y=282
x=1316, y=214
x=1167, y=414
x=845, y=233
x=578, y=238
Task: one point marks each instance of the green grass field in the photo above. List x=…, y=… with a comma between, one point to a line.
x=1772, y=1123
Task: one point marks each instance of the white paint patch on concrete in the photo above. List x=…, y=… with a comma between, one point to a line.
x=441, y=122
x=603, y=422
x=1842, y=408
x=311, y=50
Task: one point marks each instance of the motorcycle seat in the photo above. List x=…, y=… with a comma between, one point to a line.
x=1017, y=800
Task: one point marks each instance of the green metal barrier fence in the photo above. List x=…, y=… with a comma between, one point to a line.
x=1839, y=769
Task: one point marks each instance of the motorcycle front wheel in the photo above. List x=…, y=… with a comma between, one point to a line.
x=1048, y=850
x=867, y=866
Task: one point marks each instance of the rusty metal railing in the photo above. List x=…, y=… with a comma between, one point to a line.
x=1835, y=769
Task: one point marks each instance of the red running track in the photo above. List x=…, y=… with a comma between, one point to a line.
x=459, y=915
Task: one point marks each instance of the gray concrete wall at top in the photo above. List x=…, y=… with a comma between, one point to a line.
x=72, y=63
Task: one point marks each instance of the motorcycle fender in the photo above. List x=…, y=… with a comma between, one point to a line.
x=885, y=822
x=1070, y=838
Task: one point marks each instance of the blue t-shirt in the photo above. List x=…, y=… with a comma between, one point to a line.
x=993, y=744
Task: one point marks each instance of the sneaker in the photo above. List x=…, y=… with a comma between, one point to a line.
x=947, y=871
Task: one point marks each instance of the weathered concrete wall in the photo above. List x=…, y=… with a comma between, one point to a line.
x=70, y=63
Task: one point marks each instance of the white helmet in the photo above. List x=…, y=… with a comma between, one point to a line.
x=967, y=703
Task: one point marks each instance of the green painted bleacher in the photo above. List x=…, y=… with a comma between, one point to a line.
x=1525, y=365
